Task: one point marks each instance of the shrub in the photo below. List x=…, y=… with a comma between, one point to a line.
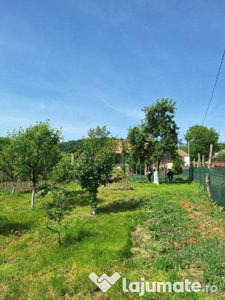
x=119, y=181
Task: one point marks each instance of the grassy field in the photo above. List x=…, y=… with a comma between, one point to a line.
x=165, y=233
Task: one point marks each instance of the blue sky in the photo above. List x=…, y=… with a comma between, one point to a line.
x=83, y=63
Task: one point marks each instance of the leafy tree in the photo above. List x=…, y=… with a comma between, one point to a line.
x=63, y=171
x=220, y=147
x=220, y=156
x=124, y=154
x=9, y=160
x=4, y=141
x=178, y=162
x=160, y=130
x=38, y=151
x=137, y=141
x=200, y=138
x=94, y=167
x=56, y=212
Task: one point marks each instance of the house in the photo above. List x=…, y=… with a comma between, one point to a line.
x=185, y=156
x=216, y=163
x=121, y=145
x=165, y=161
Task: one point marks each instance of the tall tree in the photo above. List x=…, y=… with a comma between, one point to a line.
x=94, y=167
x=137, y=141
x=38, y=151
x=161, y=130
x=199, y=138
x=9, y=160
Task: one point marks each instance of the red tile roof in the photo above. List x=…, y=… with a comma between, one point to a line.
x=182, y=153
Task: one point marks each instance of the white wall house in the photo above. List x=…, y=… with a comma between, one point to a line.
x=185, y=157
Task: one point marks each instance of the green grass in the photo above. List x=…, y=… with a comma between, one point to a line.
x=169, y=232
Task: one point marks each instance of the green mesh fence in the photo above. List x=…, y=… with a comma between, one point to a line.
x=216, y=179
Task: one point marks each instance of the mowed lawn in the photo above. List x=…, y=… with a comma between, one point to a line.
x=165, y=233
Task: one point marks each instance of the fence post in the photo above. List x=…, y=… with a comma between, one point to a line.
x=210, y=156
x=203, y=160
x=207, y=185
x=199, y=161
x=194, y=163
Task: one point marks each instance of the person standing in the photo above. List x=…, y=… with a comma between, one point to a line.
x=170, y=175
x=149, y=174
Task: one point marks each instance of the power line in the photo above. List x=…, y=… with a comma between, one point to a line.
x=218, y=74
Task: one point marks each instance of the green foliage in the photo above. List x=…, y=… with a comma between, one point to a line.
x=160, y=129
x=220, y=147
x=95, y=165
x=37, y=150
x=137, y=153
x=63, y=172
x=71, y=146
x=9, y=160
x=3, y=142
x=46, y=189
x=220, y=156
x=56, y=212
x=124, y=154
x=178, y=162
x=200, y=137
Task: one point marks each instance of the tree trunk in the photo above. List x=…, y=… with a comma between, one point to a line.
x=33, y=198
x=156, y=177
x=156, y=173
x=199, y=161
x=93, y=203
x=165, y=170
x=14, y=187
x=141, y=174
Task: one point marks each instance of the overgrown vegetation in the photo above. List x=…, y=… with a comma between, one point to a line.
x=221, y=156
x=119, y=181
x=161, y=233
x=178, y=163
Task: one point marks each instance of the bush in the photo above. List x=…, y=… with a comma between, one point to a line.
x=220, y=156
x=119, y=181
x=178, y=162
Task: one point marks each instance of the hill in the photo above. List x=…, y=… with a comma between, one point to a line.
x=71, y=146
